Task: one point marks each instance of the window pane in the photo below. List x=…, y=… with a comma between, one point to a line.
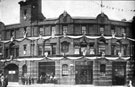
x=40, y=50
x=41, y=31
x=64, y=29
x=83, y=29
x=65, y=70
x=65, y=47
x=53, y=31
x=102, y=68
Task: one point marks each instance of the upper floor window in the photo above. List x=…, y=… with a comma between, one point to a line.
x=41, y=31
x=112, y=29
x=124, y=49
x=12, y=34
x=83, y=29
x=0, y=49
x=102, y=29
x=53, y=48
x=65, y=29
x=91, y=49
x=24, y=49
x=123, y=30
x=6, y=53
x=101, y=49
x=65, y=71
x=76, y=49
x=65, y=47
x=17, y=51
x=47, y=49
x=53, y=30
x=40, y=50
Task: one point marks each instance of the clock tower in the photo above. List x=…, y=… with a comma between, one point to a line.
x=30, y=11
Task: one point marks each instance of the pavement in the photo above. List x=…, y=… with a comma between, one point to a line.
x=10, y=84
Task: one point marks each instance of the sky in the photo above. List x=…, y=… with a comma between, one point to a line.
x=115, y=10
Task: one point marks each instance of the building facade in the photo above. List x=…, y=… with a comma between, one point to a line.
x=95, y=51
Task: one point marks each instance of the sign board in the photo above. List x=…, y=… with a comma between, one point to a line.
x=11, y=72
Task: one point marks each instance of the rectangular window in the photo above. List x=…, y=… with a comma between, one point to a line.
x=77, y=29
x=32, y=49
x=113, y=49
x=117, y=50
x=102, y=29
x=124, y=50
x=40, y=50
x=17, y=51
x=47, y=49
x=0, y=49
x=12, y=33
x=76, y=49
x=53, y=48
x=91, y=49
x=83, y=29
x=41, y=30
x=65, y=71
x=64, y=29
x=102, y=68
x=101, y=49
x=6, y=52
x=28, y=30
x=112, y=29
x=47, y=30
x=53, y=30
x=24, y=49
x=123, y=30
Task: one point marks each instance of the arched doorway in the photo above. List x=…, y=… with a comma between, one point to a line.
x=12, y=71
x=24, y=70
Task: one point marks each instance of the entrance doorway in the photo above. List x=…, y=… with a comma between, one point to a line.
x=83, y=72
x=46, y=71
x=119, y=73
x=12, y=71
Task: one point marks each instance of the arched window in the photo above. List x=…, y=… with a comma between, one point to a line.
x=65, y=47
x=65, y=70
x=24, y=69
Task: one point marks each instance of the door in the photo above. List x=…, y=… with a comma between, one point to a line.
x=119, y=73
x=11, y=70
x=83, y=73
x=46, y=70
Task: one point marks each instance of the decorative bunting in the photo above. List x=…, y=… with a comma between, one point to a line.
x=73, y=37
x=115, y=8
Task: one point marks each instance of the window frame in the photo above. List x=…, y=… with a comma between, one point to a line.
x=65, y=71
x=103, y=68
x=83, y=29
x=65, y=47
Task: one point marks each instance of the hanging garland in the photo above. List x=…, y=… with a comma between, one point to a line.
x=114, y=8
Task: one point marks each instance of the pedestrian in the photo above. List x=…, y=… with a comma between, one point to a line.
x=6, y=80
x=2, y=81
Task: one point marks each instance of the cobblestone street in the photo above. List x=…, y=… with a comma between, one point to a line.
x=55, y=85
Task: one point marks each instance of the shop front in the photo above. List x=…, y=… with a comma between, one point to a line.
x=83, y=72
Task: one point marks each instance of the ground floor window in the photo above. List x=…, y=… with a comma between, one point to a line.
x=46, y=72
